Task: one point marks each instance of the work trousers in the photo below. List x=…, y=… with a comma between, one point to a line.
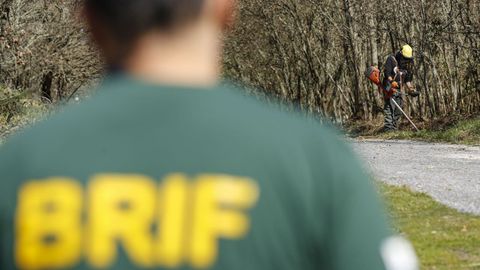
x=392, y=113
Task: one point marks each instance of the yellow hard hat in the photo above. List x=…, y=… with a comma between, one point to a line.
x=407, y=51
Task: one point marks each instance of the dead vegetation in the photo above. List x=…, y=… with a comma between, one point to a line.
x=313, y=53
x=307, y=52
x=44, y=49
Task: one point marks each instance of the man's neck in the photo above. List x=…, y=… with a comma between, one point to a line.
x=190, y=58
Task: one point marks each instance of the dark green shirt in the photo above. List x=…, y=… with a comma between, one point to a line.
x=147, y=176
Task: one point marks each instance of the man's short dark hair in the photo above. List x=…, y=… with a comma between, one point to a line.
x=128, y=19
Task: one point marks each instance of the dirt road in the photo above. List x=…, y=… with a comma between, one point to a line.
x=448, y=173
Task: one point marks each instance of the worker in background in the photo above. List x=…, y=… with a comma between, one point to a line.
x=397, y=73
x=167, y=168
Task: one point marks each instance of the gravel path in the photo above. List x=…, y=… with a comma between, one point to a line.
x=448, y=173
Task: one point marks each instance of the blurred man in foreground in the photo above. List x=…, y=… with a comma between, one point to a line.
x=166, y=168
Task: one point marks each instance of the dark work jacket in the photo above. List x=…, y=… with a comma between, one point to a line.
x=402, y=63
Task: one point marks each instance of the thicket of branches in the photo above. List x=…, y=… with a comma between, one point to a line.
x=310, y=52
x=44, y=49
x=314, y=53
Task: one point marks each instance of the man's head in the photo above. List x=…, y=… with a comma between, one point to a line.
x=405, y=59
x=407, y=51
x=118, y=25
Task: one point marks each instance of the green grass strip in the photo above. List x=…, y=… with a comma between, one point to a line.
x=465, y=132
x=444, y=238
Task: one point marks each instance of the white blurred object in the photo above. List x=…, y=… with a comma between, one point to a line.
x=399, y=254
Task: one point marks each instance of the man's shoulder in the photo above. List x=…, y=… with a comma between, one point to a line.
x=391, y=58
x=231, y=110
x=59, y=123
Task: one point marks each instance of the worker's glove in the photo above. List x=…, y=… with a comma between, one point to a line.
x=411, y=91
x=395, y=85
